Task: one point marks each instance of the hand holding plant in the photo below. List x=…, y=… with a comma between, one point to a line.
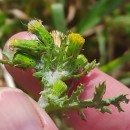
x=55, y=95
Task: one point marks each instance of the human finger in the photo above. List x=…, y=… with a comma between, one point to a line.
x=18, y=112
x=96, y=120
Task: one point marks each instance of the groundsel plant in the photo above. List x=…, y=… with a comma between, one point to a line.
x=56, y=58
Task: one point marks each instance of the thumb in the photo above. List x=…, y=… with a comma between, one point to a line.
x=19, y=112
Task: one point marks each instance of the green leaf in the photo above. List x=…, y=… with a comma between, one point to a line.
x=38, y=74
x=58, y=17
x=75, y=95
x=100, y=103
x=8, y=55
x=99, y=92
x=83, y=116
x=87, y=69
x=105, y=109
x=117, y=100
x=95, y=15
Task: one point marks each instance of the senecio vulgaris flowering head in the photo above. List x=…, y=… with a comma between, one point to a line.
x=56, y=58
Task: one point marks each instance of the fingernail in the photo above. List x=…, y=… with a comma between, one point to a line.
x=18, y=113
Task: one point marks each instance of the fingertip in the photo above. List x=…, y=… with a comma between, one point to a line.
x=96, y=77
x=18, y=112
x=95, y=119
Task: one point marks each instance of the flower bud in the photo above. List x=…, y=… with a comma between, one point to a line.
x=31, y=47
x=36, y=27
x=23, y=61
x=59, y=88
x=80, y=62
x=75, y=43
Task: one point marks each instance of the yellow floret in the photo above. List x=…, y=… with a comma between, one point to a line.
x=12, y=42
x=74, y=37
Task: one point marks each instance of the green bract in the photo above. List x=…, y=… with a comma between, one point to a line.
x=56, y=58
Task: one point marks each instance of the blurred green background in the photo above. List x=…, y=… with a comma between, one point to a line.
x=105, y=24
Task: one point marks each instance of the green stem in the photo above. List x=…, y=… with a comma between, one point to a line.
x=6, y=62
x=88, y=67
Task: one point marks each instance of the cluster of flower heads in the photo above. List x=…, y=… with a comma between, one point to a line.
x=56, y=58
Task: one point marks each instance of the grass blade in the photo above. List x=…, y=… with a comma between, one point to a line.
x=95, y=15
x=58, y=17
x=121, y=20
x=111, y=66
x=102, y=46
